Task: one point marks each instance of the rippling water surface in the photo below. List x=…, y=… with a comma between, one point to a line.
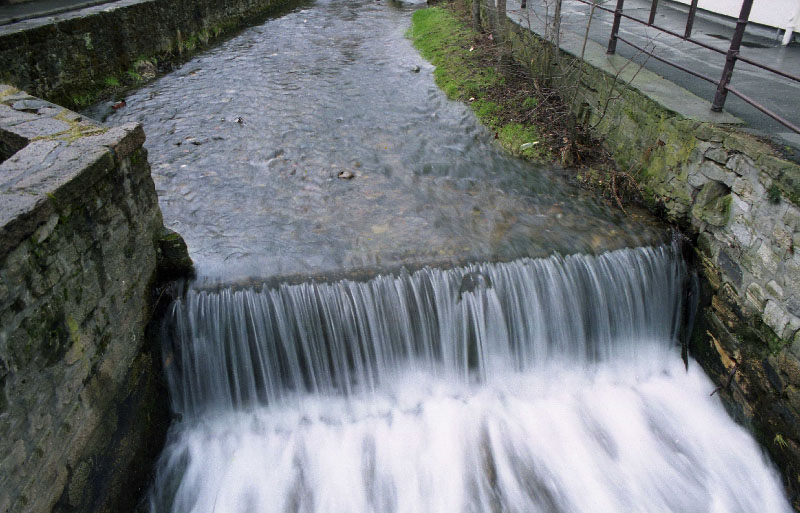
x=329, y=88
x=549, y=385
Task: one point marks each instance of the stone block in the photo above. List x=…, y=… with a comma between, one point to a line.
x=742, y=232
x=774, y=289
x=792, y=219
x=738, y=204
x=717, y=154
x=712, y=204
x=792, y=303
x=741, y=164
x=781, y=238
x=775, y=317
x=731, y=271
x=122, y=140
x=39, y=128
x=744, y=143
x=768, y=260
x=710, y=132
x=717, y=173
x=756, y=296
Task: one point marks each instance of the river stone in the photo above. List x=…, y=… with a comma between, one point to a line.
x=173, y=257
x=472, y=281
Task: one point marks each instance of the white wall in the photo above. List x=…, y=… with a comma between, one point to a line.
x=774, y=13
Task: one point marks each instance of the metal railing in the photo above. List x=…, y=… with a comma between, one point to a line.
x=731, y=55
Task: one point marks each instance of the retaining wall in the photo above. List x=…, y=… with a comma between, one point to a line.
x=73, y=58
x=738, y=199
x=82, y=412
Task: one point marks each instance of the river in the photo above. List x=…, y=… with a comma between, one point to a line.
x=384, y=320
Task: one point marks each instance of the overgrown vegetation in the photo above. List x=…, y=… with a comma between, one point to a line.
x=529, y=118
x=469, y=69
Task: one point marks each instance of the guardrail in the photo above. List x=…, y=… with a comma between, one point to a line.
x=731, y=55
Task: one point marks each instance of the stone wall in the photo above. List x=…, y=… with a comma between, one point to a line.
x=738, y=200
x=73, y=58
x=82, y=413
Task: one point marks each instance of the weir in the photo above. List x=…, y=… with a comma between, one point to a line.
x=487, y=337
x=555, y=385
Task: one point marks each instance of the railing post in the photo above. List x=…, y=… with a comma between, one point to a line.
x=690, y=20
x=612, y=41
x=730, y=58
x=653, y=8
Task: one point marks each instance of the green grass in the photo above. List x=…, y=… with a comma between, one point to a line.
x=464, y=75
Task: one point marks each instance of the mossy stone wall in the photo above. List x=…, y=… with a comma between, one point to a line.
x=82, y=412
x=73, y=58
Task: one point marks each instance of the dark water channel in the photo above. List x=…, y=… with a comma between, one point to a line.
x=246, y=142
x=522, y=382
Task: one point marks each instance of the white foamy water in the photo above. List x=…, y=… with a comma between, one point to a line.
x=551, y=386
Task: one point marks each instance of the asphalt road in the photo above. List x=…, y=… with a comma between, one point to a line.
x=38, y=8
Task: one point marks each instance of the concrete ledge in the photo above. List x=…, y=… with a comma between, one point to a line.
x=59, y=155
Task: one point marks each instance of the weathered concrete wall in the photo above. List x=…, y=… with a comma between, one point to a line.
x=738, y=199
x=72, y=58
x=81, y=409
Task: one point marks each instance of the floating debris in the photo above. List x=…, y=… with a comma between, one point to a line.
x=346, y=175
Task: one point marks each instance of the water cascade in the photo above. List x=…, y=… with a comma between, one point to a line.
x=550, y=385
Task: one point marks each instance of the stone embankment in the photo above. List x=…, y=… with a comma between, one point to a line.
x=82, y=243
x=73, y=58
x=739, y=200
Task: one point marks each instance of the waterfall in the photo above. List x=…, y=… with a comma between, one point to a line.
x=550, y=385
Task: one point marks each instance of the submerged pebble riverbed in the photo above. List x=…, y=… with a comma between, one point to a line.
x=247, y=142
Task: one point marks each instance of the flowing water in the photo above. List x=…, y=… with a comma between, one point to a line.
x=329, y=89
x=535, y=383
x=549, y=385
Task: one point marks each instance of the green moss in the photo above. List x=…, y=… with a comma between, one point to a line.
x=530, y=102
x=75, y=131
x=8, y=92
x=111, y=82
x=73, y=329
x=134, y=75
x=487, y=111
x=514, y=135
x=83, y=100
x=774, y=194
x=444, y=41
